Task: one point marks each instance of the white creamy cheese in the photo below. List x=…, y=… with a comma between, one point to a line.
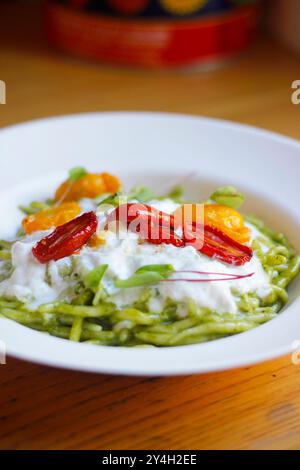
x=28, y=282
x=124, y=255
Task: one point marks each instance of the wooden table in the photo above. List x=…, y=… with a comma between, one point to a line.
x=44, y=408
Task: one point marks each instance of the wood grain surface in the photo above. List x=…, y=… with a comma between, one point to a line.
x=44, y=408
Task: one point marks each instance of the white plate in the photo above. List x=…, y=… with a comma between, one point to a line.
x=159, y=150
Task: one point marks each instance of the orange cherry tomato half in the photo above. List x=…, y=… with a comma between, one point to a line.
x=67, y=239
x=90, y=186
x=226, y=219
x=52, y=217
x=95, y=241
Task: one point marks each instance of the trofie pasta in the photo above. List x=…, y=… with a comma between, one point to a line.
x=97, y=265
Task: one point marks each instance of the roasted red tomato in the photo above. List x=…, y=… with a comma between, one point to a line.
x=152, y=225
x=66, y=239
x=216, y=244
x=127, y=213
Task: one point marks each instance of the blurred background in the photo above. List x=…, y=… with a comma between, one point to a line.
x=230, y=59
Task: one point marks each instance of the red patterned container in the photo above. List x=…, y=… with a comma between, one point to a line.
x=153, y=33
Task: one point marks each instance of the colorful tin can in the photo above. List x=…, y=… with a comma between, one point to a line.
x=153, y=33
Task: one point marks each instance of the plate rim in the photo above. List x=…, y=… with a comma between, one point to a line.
x=173, y=115
x=137, y=371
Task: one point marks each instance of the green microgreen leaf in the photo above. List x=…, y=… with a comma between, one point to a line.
x=150, y=274
x=34, y=207
x=176, y=194
x=94, y=277
x=76, y=173
x=164, y=270
x=141, y=194
x=108, y=199
x=138, y=280
x=228, y=196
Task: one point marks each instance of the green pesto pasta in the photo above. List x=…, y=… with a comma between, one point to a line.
x=89, y=313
